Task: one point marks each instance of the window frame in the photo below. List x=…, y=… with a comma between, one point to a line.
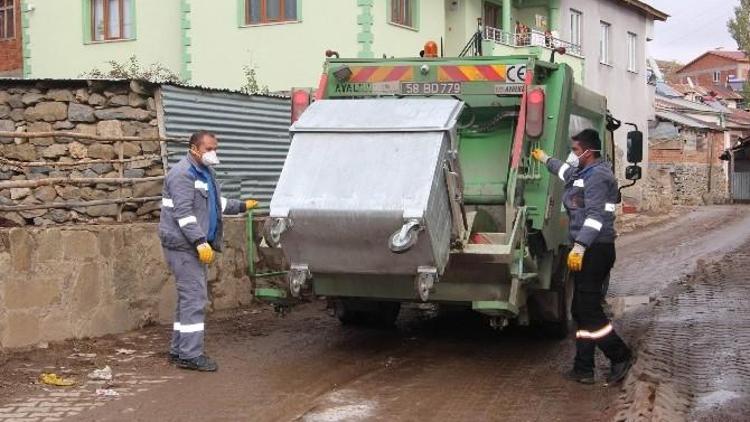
x=126, y=7
x=498, y=14
x=8, y=7
x=717, y=77
x=605, y=38
x=414, y=6
x=632, y=51
x=577, y=35
x=246, y=15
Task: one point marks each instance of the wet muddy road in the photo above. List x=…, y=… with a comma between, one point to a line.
x=308, y=367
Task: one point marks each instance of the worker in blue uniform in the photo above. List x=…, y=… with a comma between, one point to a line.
x=590, y=200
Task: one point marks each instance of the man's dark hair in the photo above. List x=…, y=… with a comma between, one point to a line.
x=589, y=139
x=197, y=137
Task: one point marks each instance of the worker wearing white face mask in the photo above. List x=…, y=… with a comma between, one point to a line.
x=590, y=200
x=190, y=229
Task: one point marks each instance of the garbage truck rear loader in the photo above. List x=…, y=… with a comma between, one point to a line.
x=409, y=180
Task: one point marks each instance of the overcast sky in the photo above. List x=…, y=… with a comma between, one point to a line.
x=694, y=27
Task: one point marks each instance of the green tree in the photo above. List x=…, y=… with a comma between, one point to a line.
x=739, y=27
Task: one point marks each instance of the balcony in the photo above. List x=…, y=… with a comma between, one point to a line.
x=497, y=42
x=530, y=38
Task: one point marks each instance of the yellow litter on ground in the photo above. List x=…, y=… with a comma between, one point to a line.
x=56, y=380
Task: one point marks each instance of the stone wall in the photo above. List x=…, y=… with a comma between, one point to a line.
x=686, y=184
x=678, y=171
x=79, y=281
x=104, y=108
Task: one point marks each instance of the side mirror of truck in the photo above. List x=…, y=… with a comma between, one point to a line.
x=633, y=173
x=635, y=146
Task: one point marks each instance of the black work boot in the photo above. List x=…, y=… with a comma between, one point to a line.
x=201, y=363
x=580, y=377
x=173, y=358
x=619, y=371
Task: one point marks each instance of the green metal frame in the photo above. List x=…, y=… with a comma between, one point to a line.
x=241, y=12
x=489, y=180
x=415, y=15
x=86, y=24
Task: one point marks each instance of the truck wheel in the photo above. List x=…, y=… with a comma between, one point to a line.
x=562, y=287
x=357, y=312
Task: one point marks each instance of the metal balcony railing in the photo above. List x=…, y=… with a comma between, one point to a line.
x=531, y=38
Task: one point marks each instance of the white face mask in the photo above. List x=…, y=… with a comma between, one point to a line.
x=210, y=159
x=573, y=159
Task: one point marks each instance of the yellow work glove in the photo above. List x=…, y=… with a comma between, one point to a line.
x=205, y=253
x=540, y=155
x=575, y=257
x=251, y=203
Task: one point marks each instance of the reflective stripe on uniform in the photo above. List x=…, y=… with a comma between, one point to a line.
x=187, y=220
x=191, y=328
x=578, y=183
x=610, y=207
x=166, y=202
x=590, y=222
x=223, y=204
x=176, y=326
x=563, y=169
x=201, y=185
x=595, y=335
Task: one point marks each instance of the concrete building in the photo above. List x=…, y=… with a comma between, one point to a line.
x=11, y=49
x=716, y=67
x=606, y=42
x=209, y=43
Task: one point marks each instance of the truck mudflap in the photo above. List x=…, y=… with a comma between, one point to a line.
x=371, y=186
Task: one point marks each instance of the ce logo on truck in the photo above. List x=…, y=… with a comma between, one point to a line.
x=516, y=74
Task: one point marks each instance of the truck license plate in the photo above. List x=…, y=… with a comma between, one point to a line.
x=431, y=88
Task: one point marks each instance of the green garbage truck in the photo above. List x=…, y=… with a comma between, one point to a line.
x=409, y=180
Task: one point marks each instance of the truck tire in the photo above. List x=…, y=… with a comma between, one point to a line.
x=562, y=287
x=366, y=313
x=549, y=310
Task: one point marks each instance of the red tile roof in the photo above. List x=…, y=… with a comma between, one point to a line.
x=723, y=92
x=737, y=56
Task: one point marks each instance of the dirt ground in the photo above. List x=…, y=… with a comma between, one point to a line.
x=679, y=290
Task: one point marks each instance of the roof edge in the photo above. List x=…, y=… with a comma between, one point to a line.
x=713, y=52
x=647, y=9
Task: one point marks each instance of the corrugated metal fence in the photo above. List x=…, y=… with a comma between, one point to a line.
x=253, y=136
x=741, y=186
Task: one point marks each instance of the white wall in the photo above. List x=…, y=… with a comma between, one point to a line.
x=460, y=24
x=628, y=95
x=397, y=41
x=56, y=39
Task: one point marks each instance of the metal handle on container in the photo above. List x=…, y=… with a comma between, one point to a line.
x=406, y=237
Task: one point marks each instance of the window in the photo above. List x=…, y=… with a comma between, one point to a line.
x=270, y=11
x=604, y=42
x=7, y=19
x=632, y=50
x=576, y=27
x=112, y=20
x=492, y=15
x=402, y=12
x=717, y=77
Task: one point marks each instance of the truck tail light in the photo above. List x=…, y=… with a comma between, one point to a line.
x=300, y=101
x=322, y=85
x=535, y=113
